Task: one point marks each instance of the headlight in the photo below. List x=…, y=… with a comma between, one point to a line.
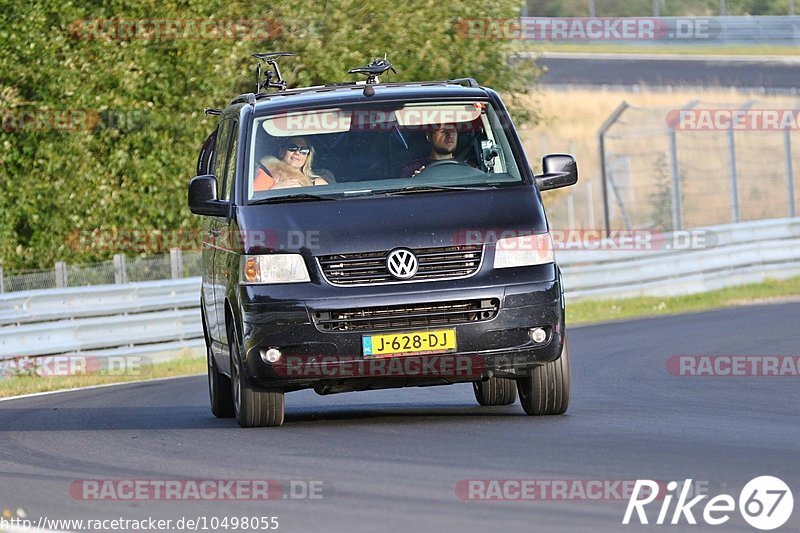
x=525, y=250
x=273, y=268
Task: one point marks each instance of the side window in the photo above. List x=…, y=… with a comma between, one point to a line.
x=222, y=144
x=230, y=169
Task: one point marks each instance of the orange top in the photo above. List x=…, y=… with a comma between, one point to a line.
x=263, y=181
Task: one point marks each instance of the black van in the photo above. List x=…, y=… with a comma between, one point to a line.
x=366, y=236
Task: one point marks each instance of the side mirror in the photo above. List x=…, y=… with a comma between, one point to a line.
x=560, y=170
x=203, y=197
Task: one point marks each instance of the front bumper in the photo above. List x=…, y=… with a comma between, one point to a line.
x=500, y=346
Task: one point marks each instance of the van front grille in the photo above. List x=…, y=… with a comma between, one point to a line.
x=369, y=268
x=406, y=316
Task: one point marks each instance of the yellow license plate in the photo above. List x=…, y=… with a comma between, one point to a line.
x=438, y=341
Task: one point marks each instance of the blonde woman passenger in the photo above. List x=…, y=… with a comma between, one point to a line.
x=292, y=168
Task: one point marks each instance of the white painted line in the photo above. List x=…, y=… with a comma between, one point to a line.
x=90, y=387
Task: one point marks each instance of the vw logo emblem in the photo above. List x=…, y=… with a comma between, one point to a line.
x=402, y=263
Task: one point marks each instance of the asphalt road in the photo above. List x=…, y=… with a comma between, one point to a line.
x=762, y=75
x=390, y=460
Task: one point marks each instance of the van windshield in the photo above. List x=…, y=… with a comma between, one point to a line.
x=349, y=151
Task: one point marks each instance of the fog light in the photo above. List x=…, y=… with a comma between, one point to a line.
x=273, y=355
x=538, y=335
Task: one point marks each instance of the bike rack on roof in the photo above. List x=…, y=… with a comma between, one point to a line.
x=271, y=59
x=377, y=68
x=272, y=79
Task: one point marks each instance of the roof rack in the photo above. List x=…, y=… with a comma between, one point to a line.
x=248, y=97
x=271, y=78
x=466, y=82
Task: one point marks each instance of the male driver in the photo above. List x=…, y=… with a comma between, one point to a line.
x=443, y=139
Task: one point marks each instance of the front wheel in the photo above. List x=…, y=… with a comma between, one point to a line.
x=495, y=391
x=253, y=408
x=546, y=389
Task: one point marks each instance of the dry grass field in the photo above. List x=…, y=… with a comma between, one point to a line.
x=638, y=148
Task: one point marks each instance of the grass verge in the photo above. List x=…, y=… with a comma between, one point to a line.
x=592, y=311
x=27, y=384
x=583, y=312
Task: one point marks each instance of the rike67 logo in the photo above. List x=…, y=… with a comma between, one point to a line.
x=765, y=503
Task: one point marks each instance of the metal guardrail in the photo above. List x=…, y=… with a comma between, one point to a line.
x=735, y=254
x=655, y=31
x=779, y=30
x=98, y=333
x=145, y=318
x=98, y=300
x=162, y=316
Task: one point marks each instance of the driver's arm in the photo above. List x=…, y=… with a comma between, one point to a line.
x=412, y=168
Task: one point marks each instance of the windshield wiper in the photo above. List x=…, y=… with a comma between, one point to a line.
x=299, y=197
x=413, y=189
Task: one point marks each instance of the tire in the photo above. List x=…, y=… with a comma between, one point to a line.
x=546, y=390
x=219, y=390
x=252, y=408
x=496, y=391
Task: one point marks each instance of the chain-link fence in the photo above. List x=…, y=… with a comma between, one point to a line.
x=698, y=165
x=90, y=274
x=149, y=268
x=174, y=265
x=26, y=280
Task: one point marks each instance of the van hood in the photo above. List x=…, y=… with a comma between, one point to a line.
x=378, y=223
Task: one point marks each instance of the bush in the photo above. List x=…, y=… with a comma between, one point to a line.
x=121, y=117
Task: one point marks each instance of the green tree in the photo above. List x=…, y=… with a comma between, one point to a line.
x=57, y=183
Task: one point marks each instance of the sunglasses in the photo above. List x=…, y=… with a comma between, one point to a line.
x=304, y=150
